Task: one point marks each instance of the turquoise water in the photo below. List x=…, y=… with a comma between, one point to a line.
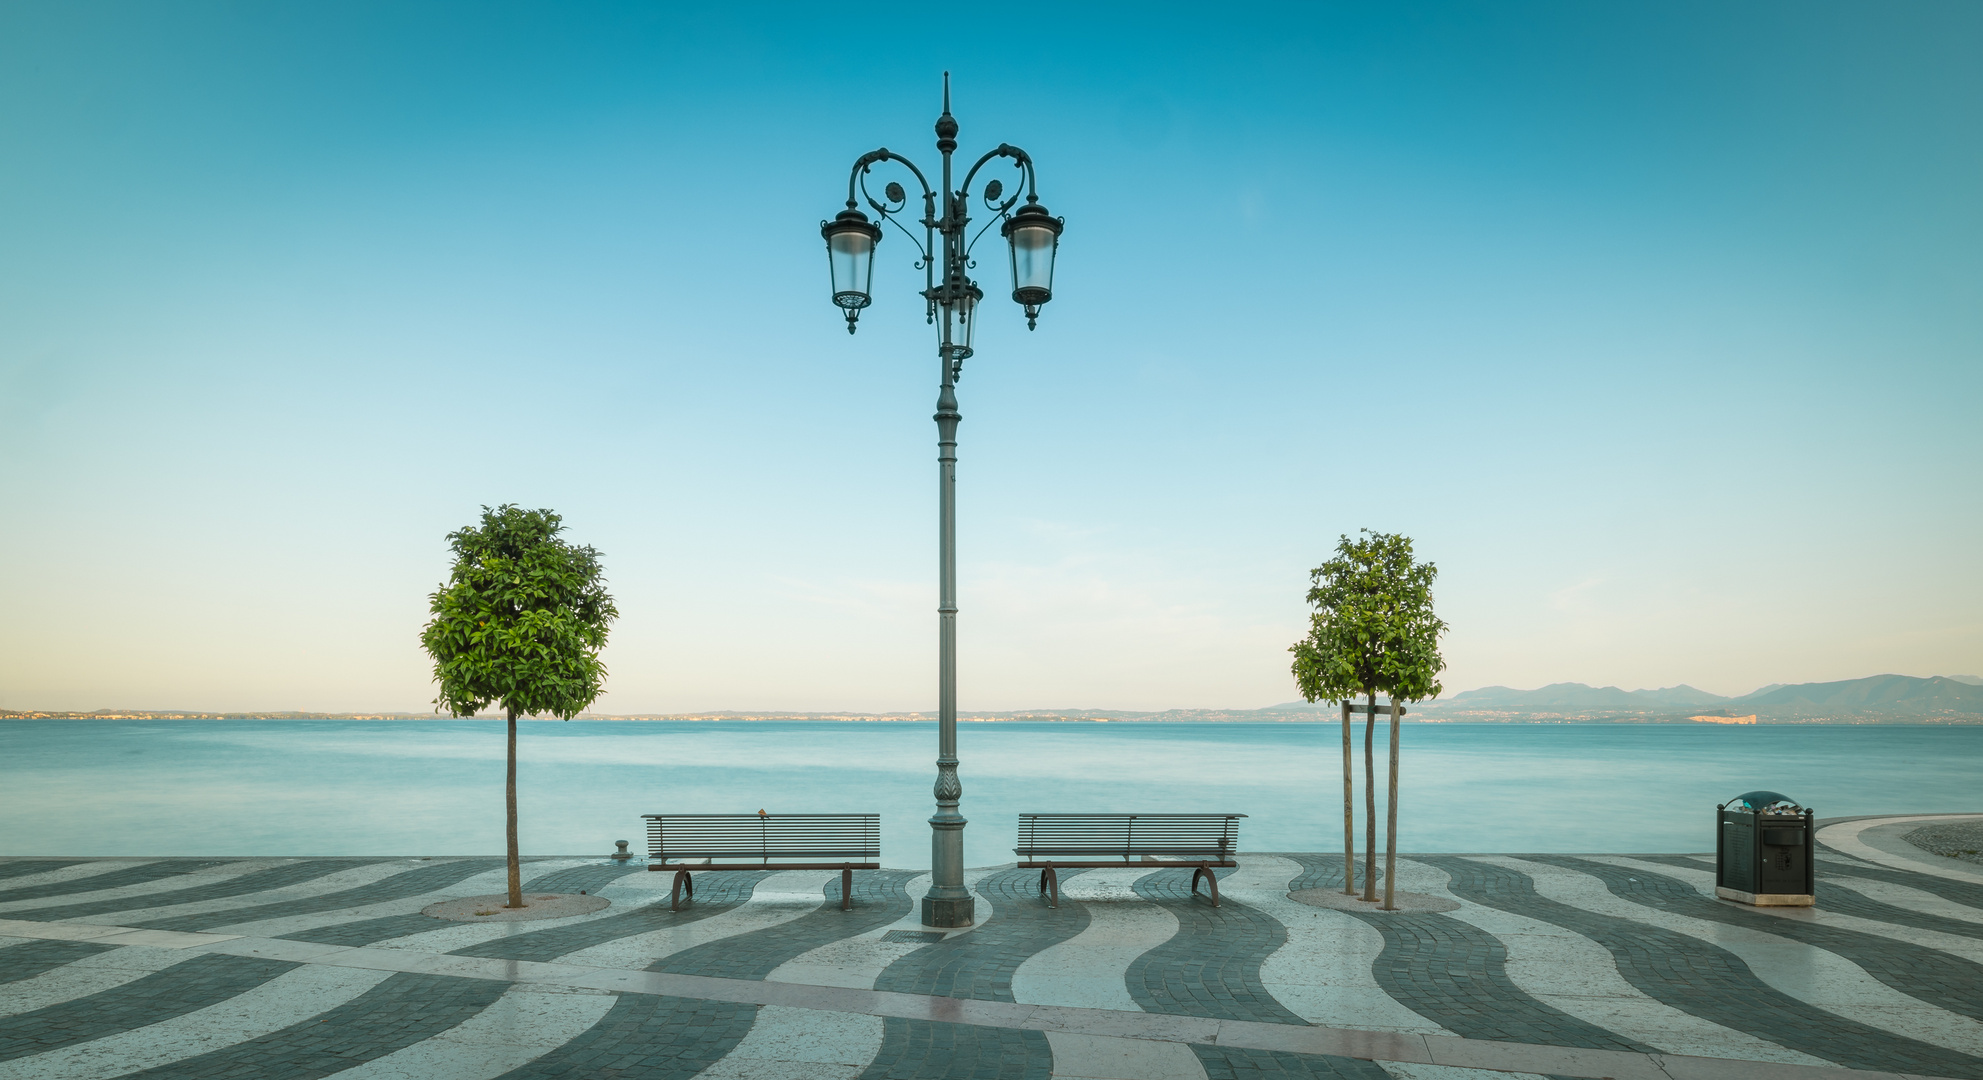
x=340, y=787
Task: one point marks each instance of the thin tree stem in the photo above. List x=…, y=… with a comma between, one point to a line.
x=1349, y=808
x=509, y=804
x=1370, y=800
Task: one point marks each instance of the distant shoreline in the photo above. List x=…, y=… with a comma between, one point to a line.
x=1433, y=715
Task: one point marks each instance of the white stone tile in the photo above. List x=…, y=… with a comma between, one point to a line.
x=486, y=882
x=90, y=975
x=287, y=999
x=524, y=1024
x=163, y=939
x=1088, y=969
x=73, y=873
x=801, y=1044
x=1102, y=1057
x=58, y=931
x=1822, y=978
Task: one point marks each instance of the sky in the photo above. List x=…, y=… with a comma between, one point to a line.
x=1658, y=327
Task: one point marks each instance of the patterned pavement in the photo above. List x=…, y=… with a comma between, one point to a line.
x=1550, y=965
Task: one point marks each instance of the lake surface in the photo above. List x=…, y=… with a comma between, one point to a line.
x=341, y=787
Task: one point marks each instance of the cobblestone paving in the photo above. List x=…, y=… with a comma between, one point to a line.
x=31, y=958
x=879, y=899
x=979, y=965
x=1440, y=966
x=395, y=1014
x=714, y=894
x=1237, y=1063
x=386, y=927
x=426, y=879
x=115, y=879
x=275, y=877
x=930, y=1050
x=1323, y=871
x=24, y=867
x=1707, y=981
x=1211, y=966
x=1930, y=975
x=647, y=1038
x=195, y=984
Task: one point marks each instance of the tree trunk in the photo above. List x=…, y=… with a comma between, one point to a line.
x=1370, y=800
x=1349, y=809
x=1391, y=810
x=509, y=804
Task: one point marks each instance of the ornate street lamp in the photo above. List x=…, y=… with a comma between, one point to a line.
x=951, y=304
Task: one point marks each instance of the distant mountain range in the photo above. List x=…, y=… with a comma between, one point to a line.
x=1881, y=697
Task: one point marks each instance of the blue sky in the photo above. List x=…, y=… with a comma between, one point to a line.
x=1659, y=327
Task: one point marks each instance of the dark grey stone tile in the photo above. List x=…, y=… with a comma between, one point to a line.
x=13, y=868
x=440, y=875
x=114, y=879
x=1211, y=966
x=1235, y=1063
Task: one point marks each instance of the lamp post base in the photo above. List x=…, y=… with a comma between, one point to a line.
x=939, y=911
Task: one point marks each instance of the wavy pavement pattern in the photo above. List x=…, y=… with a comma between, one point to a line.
x=1926, y=975
x=24, y=867
x=1455, y=974
x=646, y=1038
x=399, y=886
x=1707, y=981
x=31, y=958
x=182, y=988
x=715, y=894
x=142, y=874
x=254, y=881
x=880, y=898
x=386, y=927
x=1848, y=901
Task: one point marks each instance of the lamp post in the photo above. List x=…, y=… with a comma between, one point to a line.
x=951, y=304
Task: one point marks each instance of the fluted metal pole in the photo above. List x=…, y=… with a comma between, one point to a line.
x=948, y=902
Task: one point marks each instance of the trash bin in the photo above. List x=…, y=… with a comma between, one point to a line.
x=1763, y=851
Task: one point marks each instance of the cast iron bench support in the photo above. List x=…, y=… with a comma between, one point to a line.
x=1054, y=842
x=762, y=841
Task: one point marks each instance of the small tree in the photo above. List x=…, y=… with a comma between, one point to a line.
x=520, y=623
x=1373, y=631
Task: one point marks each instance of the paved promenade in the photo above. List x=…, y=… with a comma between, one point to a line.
x=1541, y=965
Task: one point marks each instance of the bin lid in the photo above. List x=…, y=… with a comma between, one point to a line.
x=1765, y=800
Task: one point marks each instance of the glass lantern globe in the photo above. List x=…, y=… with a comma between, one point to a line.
x=1035, y=239
x=850, y=241
x=960, y=317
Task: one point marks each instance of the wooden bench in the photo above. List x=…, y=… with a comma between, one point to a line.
x=761, y=841
x=1088, y=841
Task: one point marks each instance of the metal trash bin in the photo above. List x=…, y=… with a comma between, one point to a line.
x=1763, y=851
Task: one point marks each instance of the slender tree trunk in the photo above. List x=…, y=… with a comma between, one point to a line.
x=1370, y=800
x=1349, y=809
x=509, y=804
x=1391, y=810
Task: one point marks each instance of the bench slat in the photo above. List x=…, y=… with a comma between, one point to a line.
x=1213, y=836
x=764, y=837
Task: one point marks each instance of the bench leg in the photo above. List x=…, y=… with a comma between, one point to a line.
x=675, y=895
x=846, y=888
x=1211, y=879
x=1050, y=880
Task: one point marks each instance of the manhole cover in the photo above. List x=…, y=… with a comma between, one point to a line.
x=913, y=937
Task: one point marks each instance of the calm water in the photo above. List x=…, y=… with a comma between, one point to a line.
x=294, y=787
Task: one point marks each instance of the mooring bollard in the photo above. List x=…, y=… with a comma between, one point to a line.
x=622, y=854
